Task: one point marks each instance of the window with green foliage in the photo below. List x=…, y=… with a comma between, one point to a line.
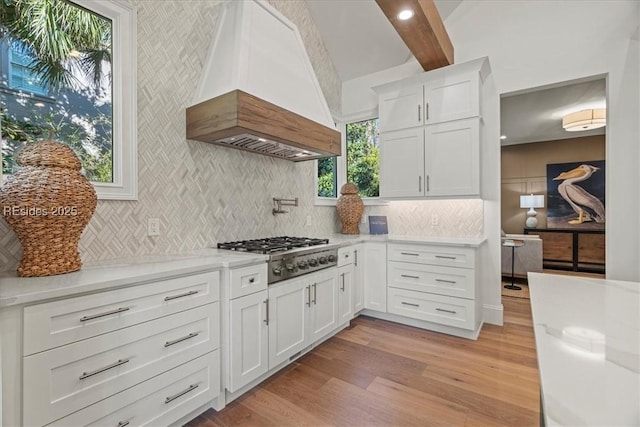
x=363, y=157
x=60, y=75
x=327, y=177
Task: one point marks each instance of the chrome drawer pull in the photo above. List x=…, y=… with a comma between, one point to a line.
x=446, y=311
x=191, y=335
x=182, y=393
x=266, y=303
x=408, y=253
x=446, y=281
x=252, y=280
x=445, y=257
x=186, y=294
x=409, y=303
x=108, y=313
x=410, y=277
x=342, y=287
x=123, y=424
x=106, y=368
x=315, y=294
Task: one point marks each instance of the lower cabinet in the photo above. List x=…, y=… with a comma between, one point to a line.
x=375, y=276
x=301, y=311
x=358, y=279
x=249, y=342
x=346, y=276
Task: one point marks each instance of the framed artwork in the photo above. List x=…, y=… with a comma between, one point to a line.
x=575, y=195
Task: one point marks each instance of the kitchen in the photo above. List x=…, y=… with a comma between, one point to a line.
x=204, y=195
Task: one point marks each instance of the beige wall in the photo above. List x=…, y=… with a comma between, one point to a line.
x=524, y=170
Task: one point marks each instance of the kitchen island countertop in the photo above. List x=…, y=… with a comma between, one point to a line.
x=588, y=345
x=104, y=275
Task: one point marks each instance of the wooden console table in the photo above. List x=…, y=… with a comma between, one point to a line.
x=572, y=249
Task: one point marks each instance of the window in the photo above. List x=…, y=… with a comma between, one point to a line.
x=359, y=163
x=86, y=94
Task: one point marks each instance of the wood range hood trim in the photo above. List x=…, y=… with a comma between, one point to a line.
x=249, y=123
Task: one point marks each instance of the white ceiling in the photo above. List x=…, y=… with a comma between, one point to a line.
x=358, y=36
x=537, y=115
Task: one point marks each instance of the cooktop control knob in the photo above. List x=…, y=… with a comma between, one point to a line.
x=277, y=271
x=302, y=264
x=289, y=267
x=313, y=262
x=332, y=258
x=323, y=260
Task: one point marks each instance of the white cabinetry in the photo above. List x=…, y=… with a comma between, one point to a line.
x=79, y=351
x=301, y=311
x=431, y=133
x=434, y=284
x=375, y=276
x=358, y=279
x=346, y=275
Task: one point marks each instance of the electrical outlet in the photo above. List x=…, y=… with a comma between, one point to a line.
x=153, y=227
x=308, y=223
x=434, y=219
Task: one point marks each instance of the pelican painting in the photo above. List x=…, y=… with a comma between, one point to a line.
x=581, y=186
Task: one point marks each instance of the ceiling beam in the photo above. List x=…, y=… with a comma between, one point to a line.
x=424, y=33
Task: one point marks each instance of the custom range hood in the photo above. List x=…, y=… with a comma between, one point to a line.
x=258, y=91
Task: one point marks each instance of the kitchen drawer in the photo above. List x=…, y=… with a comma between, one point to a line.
x=247, y=280
x=63, y=380
x=451, y=281
x=452, y=256
x=445, y=310
x=159, y=401
x=62, y=322
x=347, y=256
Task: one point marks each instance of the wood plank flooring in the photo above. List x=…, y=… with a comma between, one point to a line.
x=378, y=373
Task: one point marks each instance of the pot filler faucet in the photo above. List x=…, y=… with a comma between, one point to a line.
x=283, y=202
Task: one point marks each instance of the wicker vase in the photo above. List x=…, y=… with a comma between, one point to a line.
x=48, y=203
x=350, y=207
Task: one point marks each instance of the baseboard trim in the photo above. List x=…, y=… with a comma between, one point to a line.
x=493, y=314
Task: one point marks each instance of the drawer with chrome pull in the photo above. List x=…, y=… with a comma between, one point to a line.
x=451, y=256
x=162, y=400
x=247, y=280
x=347, y=255
x=65, y=379
x=451, y=281
x=445, y=310
x=57, y=323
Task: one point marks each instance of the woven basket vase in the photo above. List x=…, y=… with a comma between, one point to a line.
x=350, y=207
x=48, y=203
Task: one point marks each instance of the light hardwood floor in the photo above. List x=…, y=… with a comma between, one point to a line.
x=378, y=373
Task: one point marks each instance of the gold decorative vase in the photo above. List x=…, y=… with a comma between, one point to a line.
x=350, y=207
x=48, y=203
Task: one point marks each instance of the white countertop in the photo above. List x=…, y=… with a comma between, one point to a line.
x=588, y=344
x=97, y=276
x=343, y=239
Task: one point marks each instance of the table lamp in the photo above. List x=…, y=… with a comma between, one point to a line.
x=531, y=201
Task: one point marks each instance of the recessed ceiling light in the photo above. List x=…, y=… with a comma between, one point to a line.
x=405, y=14
x=503, y=136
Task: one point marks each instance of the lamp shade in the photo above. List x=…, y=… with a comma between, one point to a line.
x=585, y=120
x=532, y=201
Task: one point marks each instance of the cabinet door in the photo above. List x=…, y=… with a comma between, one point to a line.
x=324, y=304
x=358, y=285
x=452, y=97
x=452, y=158
x=401, y=109
x=402, y=163
x=288, y=306
x=375, y=276
x=345, y=293
x=249, y=332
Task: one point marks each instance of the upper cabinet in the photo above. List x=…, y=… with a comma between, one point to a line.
x=431, y=133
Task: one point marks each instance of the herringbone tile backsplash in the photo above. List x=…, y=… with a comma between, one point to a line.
x=204, y=194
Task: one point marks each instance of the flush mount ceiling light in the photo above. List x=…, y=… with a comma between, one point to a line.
x=585, y=120
x=405, y=14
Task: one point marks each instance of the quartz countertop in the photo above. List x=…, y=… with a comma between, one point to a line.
x=350, y=239
x=99, y=276
x=587, y=335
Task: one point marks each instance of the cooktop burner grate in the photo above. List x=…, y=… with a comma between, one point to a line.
x=271, y=245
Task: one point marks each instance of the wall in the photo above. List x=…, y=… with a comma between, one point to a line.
x=524, y=171
x=532, y=44
x=202, y=193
